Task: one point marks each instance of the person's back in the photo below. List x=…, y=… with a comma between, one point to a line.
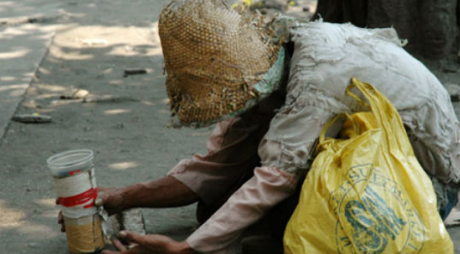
x=325, y=57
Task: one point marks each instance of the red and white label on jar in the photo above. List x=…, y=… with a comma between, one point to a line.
x=76, y=192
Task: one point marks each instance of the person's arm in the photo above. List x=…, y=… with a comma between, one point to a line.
x=232, y=148
x=265, y=189
x=149, y=244
x=246, y=206
x=164, y=192
x=160, y=193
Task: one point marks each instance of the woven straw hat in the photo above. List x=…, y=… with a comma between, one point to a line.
x=213, y=58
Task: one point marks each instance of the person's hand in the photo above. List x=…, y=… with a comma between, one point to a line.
x=111, y=198
x=149, y=244
x=60, y=219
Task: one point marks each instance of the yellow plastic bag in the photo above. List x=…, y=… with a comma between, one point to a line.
x=367, y=193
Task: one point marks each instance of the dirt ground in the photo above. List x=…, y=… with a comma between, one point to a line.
x=125, y=124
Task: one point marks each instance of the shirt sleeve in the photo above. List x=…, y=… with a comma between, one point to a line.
x=232, y=154
x=246, y=206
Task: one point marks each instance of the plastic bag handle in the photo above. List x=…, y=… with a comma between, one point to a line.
x=328, y=125
x=376, y=101
x=385, y=113
x=354, y=96
x=365, y=89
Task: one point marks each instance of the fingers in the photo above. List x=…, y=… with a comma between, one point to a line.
x=114, y=252
x=118, y=245
x=131, y=251
x=61, y=221
x=123, y=250
x=132, y=237
x=101, y=197
x=60, y=218
x=99, y=201
x=109, y=252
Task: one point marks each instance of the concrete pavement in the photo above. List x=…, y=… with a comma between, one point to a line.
x=26, y=30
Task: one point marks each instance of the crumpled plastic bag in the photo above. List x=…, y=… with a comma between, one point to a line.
x=366, y=192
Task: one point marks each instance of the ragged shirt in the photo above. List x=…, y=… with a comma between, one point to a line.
x=325, y=58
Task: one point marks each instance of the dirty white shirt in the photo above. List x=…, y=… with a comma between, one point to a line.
x=326, y=56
